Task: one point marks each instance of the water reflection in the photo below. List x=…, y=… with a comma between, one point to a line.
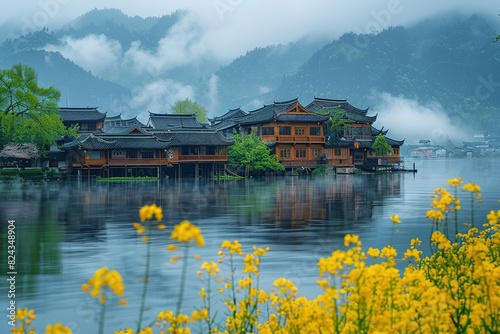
x=66, y=230
x=47, y=214
x=37, y=245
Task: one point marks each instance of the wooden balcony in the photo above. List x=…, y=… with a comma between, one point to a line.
x=114, y=162
x=118, y=162
x=300, y=163
x=299, y=139
x=202, y=158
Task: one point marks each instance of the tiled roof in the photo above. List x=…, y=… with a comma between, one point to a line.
x=191, y=138
x=225, y=124
x=319, y=103
x=92, y=142
x=232, y=113
x=335, y=142
x=301, y=118
x=359, y=118
x=376, y=132
x=173, y=121
x=278, y=111
x=117, y=125
x=394, y=142
x=80, y=114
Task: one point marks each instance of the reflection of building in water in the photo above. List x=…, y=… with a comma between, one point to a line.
x=346, y=199
x=299, y=203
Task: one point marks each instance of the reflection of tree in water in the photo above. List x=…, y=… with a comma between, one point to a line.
x=38, y=233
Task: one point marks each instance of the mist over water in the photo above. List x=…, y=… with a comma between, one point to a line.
x=413, y=121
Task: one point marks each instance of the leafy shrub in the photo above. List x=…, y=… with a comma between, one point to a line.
x=33, y=174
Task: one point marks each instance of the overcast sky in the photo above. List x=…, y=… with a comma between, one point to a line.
x=239, y=25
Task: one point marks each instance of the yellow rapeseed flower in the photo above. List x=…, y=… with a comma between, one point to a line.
x=140, y=229
x=260, y=251
x=148, y=211
x=232, y=247
x=104, y=278
x=351, y=239
x=210, y=267
x=493, y=217
x=57, y=329
x=373, y=252
x=125, y=331
x=395, y=219
x=455, y=181
x=185, y=232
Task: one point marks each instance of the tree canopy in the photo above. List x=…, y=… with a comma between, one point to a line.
x=380, y=145
x=28, y=113
x=337, y=121
x=186, y=107
x=251, y=154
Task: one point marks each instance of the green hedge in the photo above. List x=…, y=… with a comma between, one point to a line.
x=34, y=174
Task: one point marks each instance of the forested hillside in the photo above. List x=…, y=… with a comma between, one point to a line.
x=454, y=63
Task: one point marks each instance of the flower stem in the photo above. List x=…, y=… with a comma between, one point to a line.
x=146, y=279
x=183, y=279
x=102, y=317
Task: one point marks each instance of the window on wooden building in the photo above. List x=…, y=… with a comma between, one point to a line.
x=285, y=130
x=147, y=154
x=285, y=153
x=300, y=153
x=132, y=154
x=268, y=131
x=300, y=131
x=315, y=131
x=94, y=154
x=338, y=152
x=316, y=152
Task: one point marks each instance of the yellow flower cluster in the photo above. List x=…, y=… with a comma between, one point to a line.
x=210, y=267
x=57, y=329
x=24, y=318
x=103, y=278
x=146, y=214
x=185, y=232
x=233, y=247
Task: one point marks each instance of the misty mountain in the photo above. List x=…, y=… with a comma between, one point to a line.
x=118, y=26
x=78, y=87
x=447, y=61
x=138, y=64
x=251, y=79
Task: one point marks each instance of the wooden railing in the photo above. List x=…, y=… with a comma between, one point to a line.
x=298, y=139
x=194, y=158
x=300, y=163
x=294, y=139
x=151, y=161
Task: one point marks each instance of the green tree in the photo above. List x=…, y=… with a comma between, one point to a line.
x=189, y=107
x=338, y=120
x=380, y=145
x=251, y=154
x=29, y=113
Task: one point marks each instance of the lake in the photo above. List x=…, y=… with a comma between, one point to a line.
x=67, y=230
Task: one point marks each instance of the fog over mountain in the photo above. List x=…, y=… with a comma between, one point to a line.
x=228, y=54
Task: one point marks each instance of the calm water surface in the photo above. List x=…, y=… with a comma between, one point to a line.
x=67, y=230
